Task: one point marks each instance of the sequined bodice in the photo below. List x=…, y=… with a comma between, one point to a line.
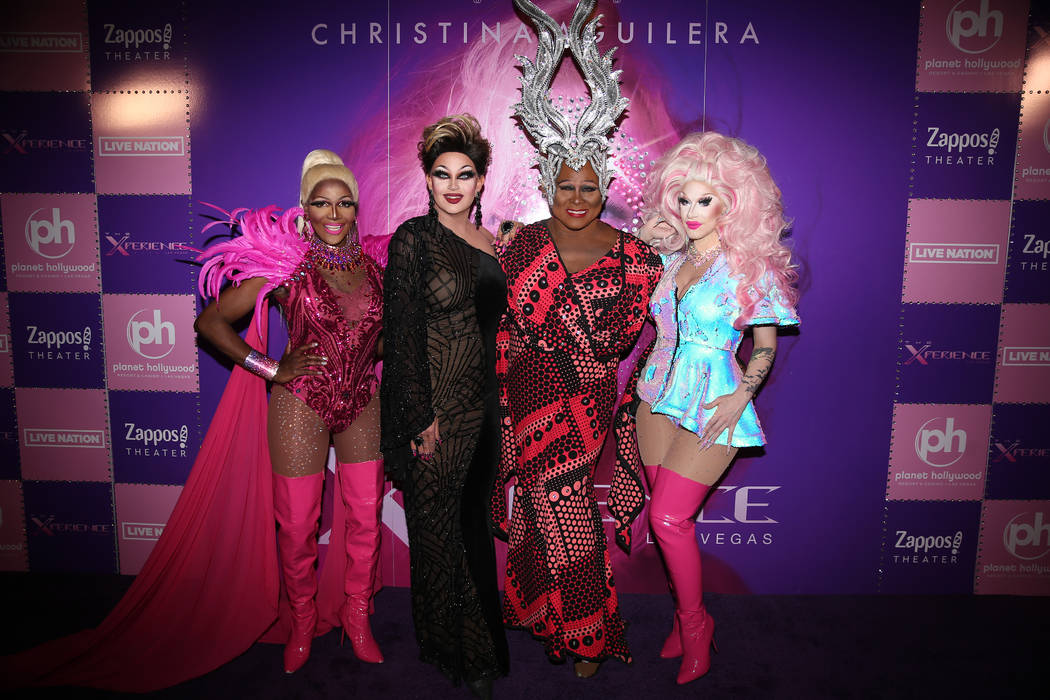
x=704, y=314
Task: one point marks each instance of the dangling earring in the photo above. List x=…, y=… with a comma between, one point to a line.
x=477, y=209
x=432, y=211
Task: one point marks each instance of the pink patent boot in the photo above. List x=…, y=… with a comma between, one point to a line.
x=672, y=647
x=675, y=501
x=361, y=485
x=297, y=508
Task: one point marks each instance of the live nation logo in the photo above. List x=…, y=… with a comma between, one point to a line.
x=142, y=512
x=1023, y=372
x=150, y=342
x=1015, y=544
x=939, y=451
x=1033, y=151
x=44, y=48
x=972, y=45
x=929, y=547
x=954, y=251
x=149, y=157
x=63, y=434
x=57, y=250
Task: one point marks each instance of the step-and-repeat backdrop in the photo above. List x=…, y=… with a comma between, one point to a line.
x=907, y=418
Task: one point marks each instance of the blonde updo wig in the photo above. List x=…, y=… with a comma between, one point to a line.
x=320, y=165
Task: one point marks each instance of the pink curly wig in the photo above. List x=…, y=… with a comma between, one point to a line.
x=752, y=221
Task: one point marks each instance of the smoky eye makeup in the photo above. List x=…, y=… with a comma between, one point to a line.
x=440, y=173
x=466, y=175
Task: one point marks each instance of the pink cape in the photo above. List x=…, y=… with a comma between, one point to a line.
x=211, y=587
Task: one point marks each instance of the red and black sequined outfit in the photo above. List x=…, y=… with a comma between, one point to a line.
x=560, y=345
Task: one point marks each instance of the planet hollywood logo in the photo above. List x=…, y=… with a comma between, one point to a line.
x=19, y=142
x=911, y=548
x=151, y=338
x=47, y=344
x=1036, y=171
x=954, y=253
x=920, y=353
x=1030, y=356
x=49, y=525
x=156, y=442
x=955, y=148
x=409, y=33
x=938, y=443
x=149, y=532
x=973, y=27
x=50, y=238
x=131, y=146
x=121, y=244
x=64, y=437
x=126, y=44
x=41, y=42
x=1027, y=537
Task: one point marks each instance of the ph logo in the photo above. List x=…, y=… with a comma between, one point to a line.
x=940, y=446
x=1025, y=539
x=50, y=239
x=973, y=32
x=152, y=339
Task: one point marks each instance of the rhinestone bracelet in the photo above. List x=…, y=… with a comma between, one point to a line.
x=262, y=365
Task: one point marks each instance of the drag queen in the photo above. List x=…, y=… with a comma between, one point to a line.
x=444, y=295
x=716, y=213
x=211, y=586
x=577, y=290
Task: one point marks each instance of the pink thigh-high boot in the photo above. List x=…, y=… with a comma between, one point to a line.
x=361, y=484
x=672, y=647
x=297, y=508
x=672, y=511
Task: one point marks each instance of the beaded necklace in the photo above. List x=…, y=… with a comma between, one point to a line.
x=346, y=256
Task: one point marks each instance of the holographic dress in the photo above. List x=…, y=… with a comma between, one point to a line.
x=561, y=343
x=694, y=358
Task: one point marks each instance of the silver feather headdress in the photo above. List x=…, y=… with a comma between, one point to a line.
x=556, y=140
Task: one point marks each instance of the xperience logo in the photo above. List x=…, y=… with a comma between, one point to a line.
x=14, y=141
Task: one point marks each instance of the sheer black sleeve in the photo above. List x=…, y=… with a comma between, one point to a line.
x=405, y=397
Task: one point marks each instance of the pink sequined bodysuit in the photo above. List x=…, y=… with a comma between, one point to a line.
x=341, y=310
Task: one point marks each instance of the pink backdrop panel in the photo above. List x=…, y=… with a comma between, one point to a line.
x=63, y=434
x=956, y=251
x=1033, y=151
x=938, y=451
x=972, y=45
x=51, y=242
x=1023, y=371
x=141, y=143
x=1015, y=544
x=13, y=555
x=44, y=45
x=142, y=512
x=150, y=343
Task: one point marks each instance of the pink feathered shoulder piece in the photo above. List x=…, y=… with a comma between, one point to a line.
x=269, y=245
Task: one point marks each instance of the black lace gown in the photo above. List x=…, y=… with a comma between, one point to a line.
x=443, y=299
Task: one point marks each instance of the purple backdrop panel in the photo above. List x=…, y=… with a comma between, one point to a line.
x=142, y=512
x=1015, y=542
x=63, y=434
x=8, y=436
x=155, y=436
x=70, y=526
x=45, y=142
x=1033, y=149
x=947, y=353
x=142, y=241
x=57, y=339
x=964, y=145
x=1023, y=372
x=136, y=45
x=7, y=370
x=52, y=242
x=939, y=451
x=12, y=528
x=930, y=547
x=150, y=342
x=1028, y=273
x=1019, y=459
x=43, y=45
x=972, y=45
